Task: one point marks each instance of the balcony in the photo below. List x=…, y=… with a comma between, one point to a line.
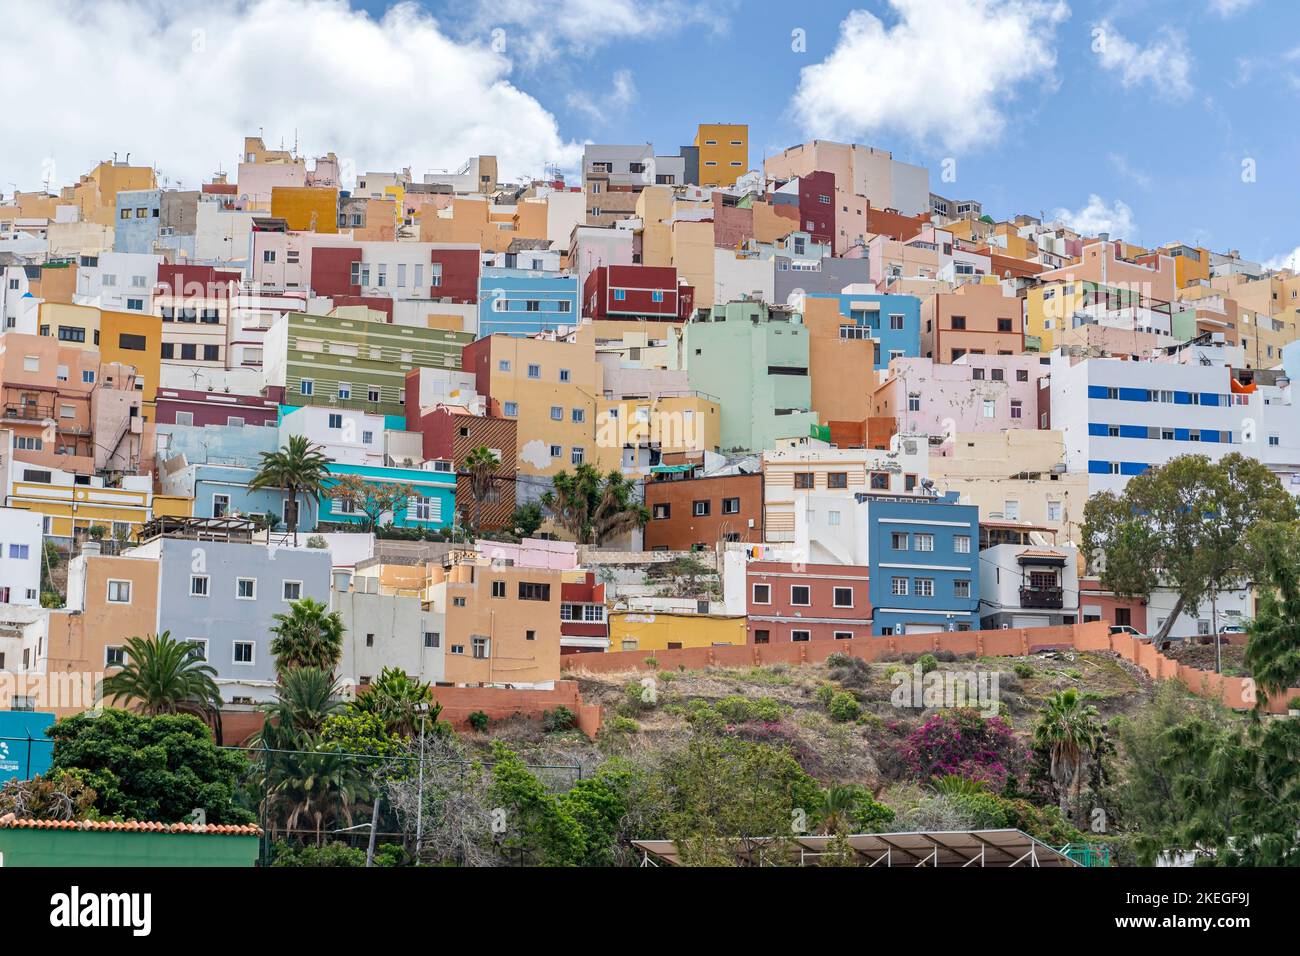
x=28, y=411
x=1042, y=598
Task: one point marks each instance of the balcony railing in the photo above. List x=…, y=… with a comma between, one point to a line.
x=28, y=412
x=1042, y=598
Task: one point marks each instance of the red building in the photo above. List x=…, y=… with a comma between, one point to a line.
x=817, y=205
x=454, y=272
x=813, y=602
x=637, y=292
x=584, y=626
x=179, y=406
x=332, y=272
x=196, y=282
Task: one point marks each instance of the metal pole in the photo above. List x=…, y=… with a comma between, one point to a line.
x=1214, y=618
x=419, y=798
x=374, y=826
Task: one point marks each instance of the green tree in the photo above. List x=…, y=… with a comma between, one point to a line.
x=1068, y=732
x=309, y=635
x=1184, y=525
x=371, y=499
x=165, y=676
x=159, y=769
x=481, y=466
x=538, y=831
x=305, y=698
x=1273, y=647
x=298, y=469
x=594, y=507
x=527, y=519
x=402, y=703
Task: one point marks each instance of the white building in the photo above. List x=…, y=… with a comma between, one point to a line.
x=1028, y=585
x=347, y=436
x=118, y=281
x=20, y=557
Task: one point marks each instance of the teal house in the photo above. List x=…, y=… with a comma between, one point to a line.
x=433, y=507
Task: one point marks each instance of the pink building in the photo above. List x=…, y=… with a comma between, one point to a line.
x=1101, y=262
x=814, y=602
x=977, y=393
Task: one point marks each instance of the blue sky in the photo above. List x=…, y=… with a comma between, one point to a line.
x=1192, y=93
x=1132, y=117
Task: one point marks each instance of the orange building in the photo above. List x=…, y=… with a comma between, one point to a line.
x=841, y=369
x=978, y=318
x=306, y=208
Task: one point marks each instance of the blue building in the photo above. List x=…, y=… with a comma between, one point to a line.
x=25, y=751
x=137, y=224
x=433, y=507
x=923, y=554
x=525, y=301
x=892, y=320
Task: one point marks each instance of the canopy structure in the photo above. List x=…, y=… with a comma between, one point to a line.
x=950, y=848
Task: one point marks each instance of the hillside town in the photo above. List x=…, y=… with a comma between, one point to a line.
x=694, y=408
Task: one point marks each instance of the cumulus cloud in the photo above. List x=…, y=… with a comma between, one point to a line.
x=1287, y=260
x=535, y=31
x=942, y=72
x=1096, y=217
x=180, y=87
x=1164, y=63
x=622, y=93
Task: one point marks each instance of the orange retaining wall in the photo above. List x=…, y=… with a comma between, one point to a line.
x=499, y=703
x=1234, y=692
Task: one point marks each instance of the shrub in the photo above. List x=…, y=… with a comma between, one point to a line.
x=824, y=694
x=637, y=697
x=478, y=721
x=928, y=663
x=317, y=542
x=839, y=660
x=331, y=854
x=1023, y=671
x=844, y=707
x=652, y=662
x=622, y=725
x=558, y=720
x=963, y=743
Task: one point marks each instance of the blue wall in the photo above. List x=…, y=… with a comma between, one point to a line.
x=515, y=288
x=945, y=520
x=233, y=481
x=906, y=340
x=137, y=235
x=25, y=751
x=438, y=485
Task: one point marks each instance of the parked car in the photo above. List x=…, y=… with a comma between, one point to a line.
x=1128, y=629
x=1233, y=633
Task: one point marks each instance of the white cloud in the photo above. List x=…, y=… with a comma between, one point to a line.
x=622, y=94
x=941, y=73
x=1229, y=8
x=535, y=31
x=1096, y=217
x=180, y=87
x=1287, y=260
x=1164, y=63
x=1119, y=162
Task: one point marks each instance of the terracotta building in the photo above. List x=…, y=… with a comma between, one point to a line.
x=686, y=511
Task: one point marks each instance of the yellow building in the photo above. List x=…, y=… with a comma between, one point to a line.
x=724, y=153
x=136, y=340
x=673, y=423
x=656, y=631
x=476, y=220
x=68, y=507
x=306, y=208
x=1191, y=263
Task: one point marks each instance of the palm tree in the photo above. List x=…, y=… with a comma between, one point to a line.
x=165, y=676
x=594, y=507
x=310, y=635
x=836, y=811
x=305, y=698
x=481, y=464
x=402, y=702
x=316, y=789
x=1068, y=730
x=298, y=468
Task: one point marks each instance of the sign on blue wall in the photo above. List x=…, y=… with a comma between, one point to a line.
x=25, y=751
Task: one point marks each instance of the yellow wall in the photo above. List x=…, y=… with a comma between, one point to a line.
x=81, y=506
x=307, y=208
x=693, y=257
x=722, y=153
x=148, y=363
x=654, y=632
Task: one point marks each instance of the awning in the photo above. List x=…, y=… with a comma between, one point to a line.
x=1041, y=557
x=670, y=469
x=939, y=848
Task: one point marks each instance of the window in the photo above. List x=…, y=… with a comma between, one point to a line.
x=528, y=591
x=730, y=506
x=843, y=597
x=306, y=386
x=498, y=589
x=898, y=587
x=291, y=590
x=119, y=592
x=576, y=456
x=246, y=589
x=762, y=637
x=961, y=543
x=345, y=390
x=961, y=588
x=512, y=409
x=837, y=479
x=762, y=594
x=564, y=375
x=1053, y=511
x=18, y=552
x=800, y=595
x=243, y=652
x=198, y=648
x=959, y=322
x=700, y=509
x=879, y=481
x=1004, y=325
x=1017, y=408
x=803, y=480
x=131, y=343
x=1011, y=510
x=199, y=585
x=800, y=636
x=335, y=420
x=114, y=656
x=661, y=511
x=432, y=639
x=578, y=416
x=925, y=587
x=899, y=541
x=914, y=402
x=534, y=371
x=480, y=647
x=1022, y=375
x=990, y=408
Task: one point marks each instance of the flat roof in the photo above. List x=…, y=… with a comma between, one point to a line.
x=940, y=848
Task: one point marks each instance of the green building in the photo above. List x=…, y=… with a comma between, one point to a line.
x=754, y=358
x=351, y=360
x=85, y=844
